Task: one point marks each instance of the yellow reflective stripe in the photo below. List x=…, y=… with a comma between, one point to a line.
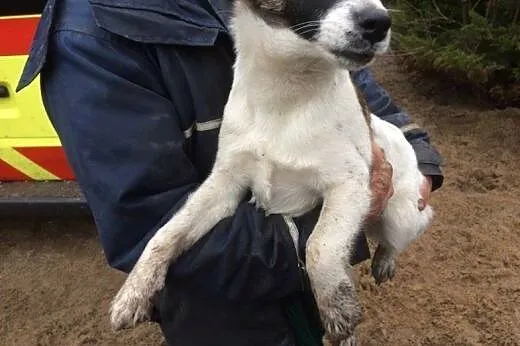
x=20, y=142
x=24, y=165
x=21, y=16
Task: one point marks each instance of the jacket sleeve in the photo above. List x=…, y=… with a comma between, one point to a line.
x=123, y=138
x=382, y=105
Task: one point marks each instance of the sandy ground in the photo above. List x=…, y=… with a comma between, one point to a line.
x=458, y=285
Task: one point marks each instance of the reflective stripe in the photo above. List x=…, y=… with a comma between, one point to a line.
x=204, y=126
x=208, y=125
x=34, y=163
x=21, y=163
x=295, y=235
x=293, y=231
x=9, y=173
x=409, y=127
x=52, y=159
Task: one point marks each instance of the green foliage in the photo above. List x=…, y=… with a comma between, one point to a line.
x=472, y=41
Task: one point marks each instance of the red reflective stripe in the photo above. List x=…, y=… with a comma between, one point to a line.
x=52, y=159
x=9, y=173
x=16, y=34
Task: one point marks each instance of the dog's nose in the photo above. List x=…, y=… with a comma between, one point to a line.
x=374, y=24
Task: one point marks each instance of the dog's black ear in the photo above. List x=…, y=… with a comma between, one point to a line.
x=271, y=5
x=267, y=6
x=272, y=11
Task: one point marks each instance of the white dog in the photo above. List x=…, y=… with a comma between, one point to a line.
x=295, y=134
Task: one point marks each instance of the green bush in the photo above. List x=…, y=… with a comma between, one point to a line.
x=475, y=42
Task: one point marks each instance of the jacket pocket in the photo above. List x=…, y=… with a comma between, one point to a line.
x=158, y=21
x=146, y=21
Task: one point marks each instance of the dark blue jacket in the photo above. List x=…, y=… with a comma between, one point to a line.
x=136, y=90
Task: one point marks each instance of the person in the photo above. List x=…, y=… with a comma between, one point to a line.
x=136, y=90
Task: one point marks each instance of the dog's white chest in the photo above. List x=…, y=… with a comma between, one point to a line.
x=281, y=190
x=292, y=166
x=293, y=151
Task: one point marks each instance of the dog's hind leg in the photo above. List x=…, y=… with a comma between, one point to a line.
x=216, y=199
x=402, y=221
x=328, y=258
x=384, y=259
x=383, y=263
x=351, y=341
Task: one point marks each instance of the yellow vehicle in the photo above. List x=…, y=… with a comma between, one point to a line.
x=35, y=177
x=29, y=146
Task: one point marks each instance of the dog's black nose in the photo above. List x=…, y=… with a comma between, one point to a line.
x=374, y=24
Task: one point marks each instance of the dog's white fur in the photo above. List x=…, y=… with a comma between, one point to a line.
x=293, y=132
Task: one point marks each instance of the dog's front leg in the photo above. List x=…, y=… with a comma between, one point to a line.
x=328, y=252
x=216, y=199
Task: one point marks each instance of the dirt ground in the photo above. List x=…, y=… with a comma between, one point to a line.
x=458, y=285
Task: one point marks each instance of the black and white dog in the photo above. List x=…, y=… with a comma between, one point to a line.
x=295, y=133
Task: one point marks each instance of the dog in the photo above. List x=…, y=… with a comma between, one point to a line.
x=295, y=134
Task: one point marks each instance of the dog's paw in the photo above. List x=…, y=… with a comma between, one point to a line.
x=131, y=306
x=340, y=313
x=351, y=341
x=383, y=265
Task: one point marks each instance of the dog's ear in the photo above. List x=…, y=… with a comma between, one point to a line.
x=272, y=11
x=268, y=6
x=271, y=5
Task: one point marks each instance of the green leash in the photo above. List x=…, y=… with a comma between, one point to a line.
x=302, y=314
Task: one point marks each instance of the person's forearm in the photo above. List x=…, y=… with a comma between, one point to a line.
x=382, y=105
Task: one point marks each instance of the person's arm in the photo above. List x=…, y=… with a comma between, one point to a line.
x=123, y=139
x=382, y=105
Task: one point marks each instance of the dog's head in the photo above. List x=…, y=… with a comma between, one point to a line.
x=353, y=31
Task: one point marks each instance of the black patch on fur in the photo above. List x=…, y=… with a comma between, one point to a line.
x=301, y=16
x=299, y=12
x=272, y=11
x=349, y=313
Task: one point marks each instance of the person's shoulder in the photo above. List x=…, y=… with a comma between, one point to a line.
x=161, y=22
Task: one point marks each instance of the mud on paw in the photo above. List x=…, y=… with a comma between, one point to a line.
x=341, y=313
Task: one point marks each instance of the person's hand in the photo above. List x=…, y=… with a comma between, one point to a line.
x=380, y=183
x=425, y=191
